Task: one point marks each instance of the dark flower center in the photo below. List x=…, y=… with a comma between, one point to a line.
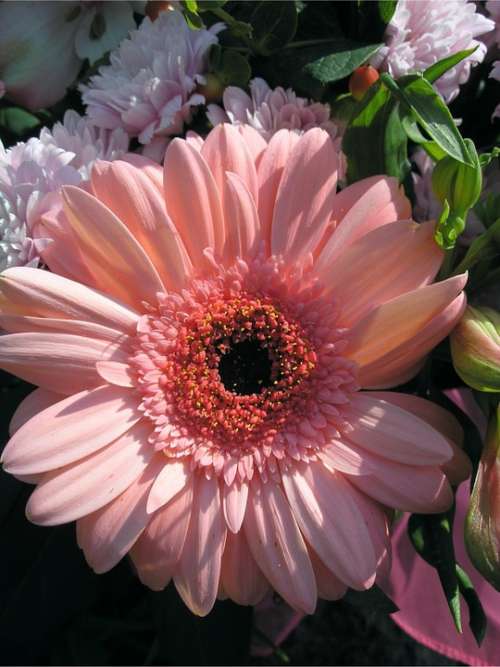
x=246, y=368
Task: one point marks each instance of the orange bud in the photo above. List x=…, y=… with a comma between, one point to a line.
x=154, y=7
x=361, y=79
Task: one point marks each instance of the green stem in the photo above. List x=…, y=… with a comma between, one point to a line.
x=307, y=42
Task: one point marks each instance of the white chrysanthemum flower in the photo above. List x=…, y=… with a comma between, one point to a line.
x=149, y=89
x=421, y=32
x=88, y=142
x=43, y=44
x=31, y=171
x=28, y=171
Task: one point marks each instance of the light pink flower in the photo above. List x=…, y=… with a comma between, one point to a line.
x=200, y=404
x=493, y=9
x=495, y=74
x=421, y=32
x=149, y=89
x=268, y=110
x=43, y=44
x=33, y=171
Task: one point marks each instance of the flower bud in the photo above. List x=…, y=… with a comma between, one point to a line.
x=212, y=89
x=482, y=525
x=475, y=348
x=458, y=183
x=361, y=79
x=154, y=7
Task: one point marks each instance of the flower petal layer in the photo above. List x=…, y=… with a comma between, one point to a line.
x=84, y=487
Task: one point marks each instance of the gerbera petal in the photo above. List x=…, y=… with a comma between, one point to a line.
x=108, y=534
x=380, y=266
x=401, y=363
x=459, y=467
x=361, y=207
x=71, y=429
x=241, y=579
x=59, y=362
x=242, y=220
x=328, y=514
x=234, y=498
x=344, y=458
x=138, y=201
x=38, y=400
x=172, y=478
x=198, y=572
x=394, y=433
x=407, y=488
x=115, y=372
x=158, y=550
x=23, y=324
x=329, y=586
x=278, y=547
x=193, y=201
x=27, y=291
x=110, y=251
x=84, y=487
x=270, y=172
x=305, y=196
x=225, y=150
x=256, y=144
x=399, y=320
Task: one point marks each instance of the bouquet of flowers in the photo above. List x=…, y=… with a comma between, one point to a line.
x=249, y=322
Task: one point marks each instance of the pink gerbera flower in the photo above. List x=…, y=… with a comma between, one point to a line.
x=202, y=405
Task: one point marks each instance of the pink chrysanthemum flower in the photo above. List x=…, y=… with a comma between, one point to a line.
x=202, y=405
x=493, y=9
x=495, y=74
x=421, y=32
x=149, y=89
x=268, y=110
x=30, y=172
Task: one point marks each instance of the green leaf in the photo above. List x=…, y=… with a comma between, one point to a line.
x=486, y=246
x=432, y=114
x=336, y=60
x=234, y=69
x=274, y=24
x=18, y=121
x=386, y=9
x=433, y=150
x=436, y=70
x=414, y=133
x=486, y=158
x=477, y=618
x=208, y=5
x=431, y=535
x=375, y=141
